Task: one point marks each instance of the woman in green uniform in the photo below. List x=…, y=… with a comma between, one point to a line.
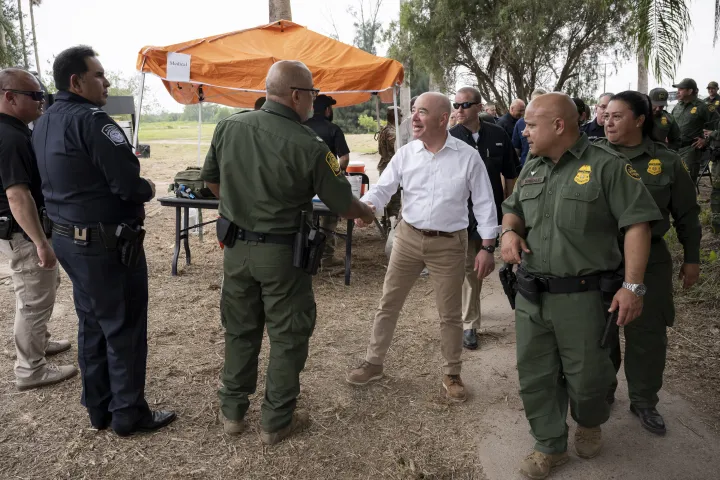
x=628, y=129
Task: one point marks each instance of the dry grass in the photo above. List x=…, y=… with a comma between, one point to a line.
x=399, y=428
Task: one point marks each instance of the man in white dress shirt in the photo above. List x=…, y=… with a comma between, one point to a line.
x=438, y=173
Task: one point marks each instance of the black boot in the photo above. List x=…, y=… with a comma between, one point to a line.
x=650, y=419
x=470, y=339
x=152, y=421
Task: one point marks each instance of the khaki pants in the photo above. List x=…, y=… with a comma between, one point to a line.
x=35, y=290
x=471, y=288
x=445, y=259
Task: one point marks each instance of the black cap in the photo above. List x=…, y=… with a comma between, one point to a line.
x=658, y=97
x=687, y=83
x=322, y=102
x=712, y=85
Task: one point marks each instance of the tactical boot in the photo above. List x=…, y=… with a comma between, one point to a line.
x=537, y=465
x=50, y=374
x=231, y=427
x=54, y=347
x=470, y=339
x=364, y=374
x=454, y=388
x=300, y=421
x=588, y=442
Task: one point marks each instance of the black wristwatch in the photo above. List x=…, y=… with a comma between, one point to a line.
x=488, y=248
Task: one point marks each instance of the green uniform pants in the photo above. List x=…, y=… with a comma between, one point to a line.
x=692, y=157
x=559, y=359
x=646, y=337
x=262, y=288
x=715, y=195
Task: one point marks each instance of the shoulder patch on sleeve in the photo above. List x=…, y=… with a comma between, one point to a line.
x=113, y=132
x=685, y=166
x=333, y=163
x=631, y=172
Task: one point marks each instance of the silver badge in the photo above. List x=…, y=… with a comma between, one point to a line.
x=114, y=133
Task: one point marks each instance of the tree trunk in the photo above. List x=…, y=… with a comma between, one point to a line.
x=3, y=44
x=433, y=86
x=642, y=83
x=405, y=93
x=34, y=39
x=22, y=34
x=280, y=10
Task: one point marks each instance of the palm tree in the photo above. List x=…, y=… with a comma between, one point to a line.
x=34, y=3
x=279, y=10
x=22, y=34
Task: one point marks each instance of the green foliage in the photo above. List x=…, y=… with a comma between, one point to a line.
x=368, y=30
x=369, y=124
x=11, y=54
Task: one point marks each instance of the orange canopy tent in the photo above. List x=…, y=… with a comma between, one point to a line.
x=230, y=69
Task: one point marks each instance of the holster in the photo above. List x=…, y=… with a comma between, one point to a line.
x=7, y=227
x=46, y=223
x=509, y=282
x=315, y=249
x=129, y=243
x=528, y=287
x=226, y=232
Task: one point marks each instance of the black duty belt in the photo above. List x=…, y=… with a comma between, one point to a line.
x=265, y=237
x=432, y=233
x=83, y=235
x=542, y=284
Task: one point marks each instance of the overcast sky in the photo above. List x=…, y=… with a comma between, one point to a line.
x=118, y=30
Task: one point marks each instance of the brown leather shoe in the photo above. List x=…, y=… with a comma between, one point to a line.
x=454, y=388
x=364, y=374
x=537, y=465
x=300, y=421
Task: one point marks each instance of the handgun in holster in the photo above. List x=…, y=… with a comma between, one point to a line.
x=226, y=232
x=7, y=226
x=610, y=283
x=46, y=223
x=129, y=243
x=508, y=279
x=308, y=247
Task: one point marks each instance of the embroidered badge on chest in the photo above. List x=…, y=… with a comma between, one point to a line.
x=711, y=108
x=663, y=121
x=694, y=110
x=583, y=175
x=654, y=167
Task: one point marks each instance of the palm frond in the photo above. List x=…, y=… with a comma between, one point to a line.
x=661, y=32
x=717, y=22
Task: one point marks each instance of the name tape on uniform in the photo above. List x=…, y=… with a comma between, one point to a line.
x=532, y=181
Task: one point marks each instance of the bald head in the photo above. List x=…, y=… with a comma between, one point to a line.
x=17, y=79
x=552, y=125
x=19, y=105
x=517, y=108
x=431, y=114
x=284, y=79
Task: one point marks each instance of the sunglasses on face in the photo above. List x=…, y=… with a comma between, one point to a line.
x=36, y=96
x=314, y=91
x=464, y=105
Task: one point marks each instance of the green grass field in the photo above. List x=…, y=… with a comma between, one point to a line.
x=157, y=132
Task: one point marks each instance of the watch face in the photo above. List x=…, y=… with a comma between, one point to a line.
x=640, y=290
x=489, y=248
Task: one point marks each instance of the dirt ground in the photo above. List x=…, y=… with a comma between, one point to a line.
x=399, y=428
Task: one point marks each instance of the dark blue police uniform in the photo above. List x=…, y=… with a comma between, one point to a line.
x=91, y=182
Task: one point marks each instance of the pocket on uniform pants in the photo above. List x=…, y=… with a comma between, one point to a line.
x=303, y=322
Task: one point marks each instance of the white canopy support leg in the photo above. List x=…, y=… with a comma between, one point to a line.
x=136, y=131
x=377, y=110
x=397, y=126
x=199, y=216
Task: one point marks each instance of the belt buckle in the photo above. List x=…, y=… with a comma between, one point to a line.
x=241, y=234
x=81, y=236
x=544, y=282
x=261, y=238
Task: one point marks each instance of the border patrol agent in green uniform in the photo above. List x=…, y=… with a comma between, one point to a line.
x=713, y=101
x=565, y=215
x=665, y=128
x=265, y=167
x=692, y=116
x=664, y=174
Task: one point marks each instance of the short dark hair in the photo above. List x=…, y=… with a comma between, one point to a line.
x=71, y=61
x=580, y=104
x=639, y=104
x=259, y=103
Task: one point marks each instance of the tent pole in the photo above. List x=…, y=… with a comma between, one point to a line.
x=377, y=110
x=397, y=127
x=136, y=133
x=200, y=219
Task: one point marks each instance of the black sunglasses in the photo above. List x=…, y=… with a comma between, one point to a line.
x=315, y=92
x=464, y=105
x=37, y=96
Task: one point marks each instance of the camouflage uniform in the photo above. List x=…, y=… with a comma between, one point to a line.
x=386, y=147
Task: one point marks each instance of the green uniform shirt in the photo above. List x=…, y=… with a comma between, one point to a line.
x=692, y=117
x=666, y=128
x=574, y=210
x=713, y=103
x=269, y=167
x=666, y=177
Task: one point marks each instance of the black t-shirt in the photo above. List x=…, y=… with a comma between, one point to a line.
x=330, y=133
x=500, y=158
x=17, y=161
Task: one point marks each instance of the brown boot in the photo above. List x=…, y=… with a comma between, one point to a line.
x=588, y=442
x=364, y=374
x=231, y=427
x=537, y=465
x=300, y=421
x=454, y=388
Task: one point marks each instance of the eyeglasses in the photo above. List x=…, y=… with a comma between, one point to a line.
x=464, y=105
x=314, y=91
x=36, y=96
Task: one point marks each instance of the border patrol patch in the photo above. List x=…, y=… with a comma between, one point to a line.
x=113, y=132
x=333, y=163
x=685, y=166
x=632, y=173
x=694, y=110
x=583, y=175
x=663, y=120
x=711, y=108
x=654, y=167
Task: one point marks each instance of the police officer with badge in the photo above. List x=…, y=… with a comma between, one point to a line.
x=94, y=195
x=562, y=222
x=665, y=128
x=713, y=99
x=713, y=102
x=263, y=200
x=628, y=129
x=693, y=117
